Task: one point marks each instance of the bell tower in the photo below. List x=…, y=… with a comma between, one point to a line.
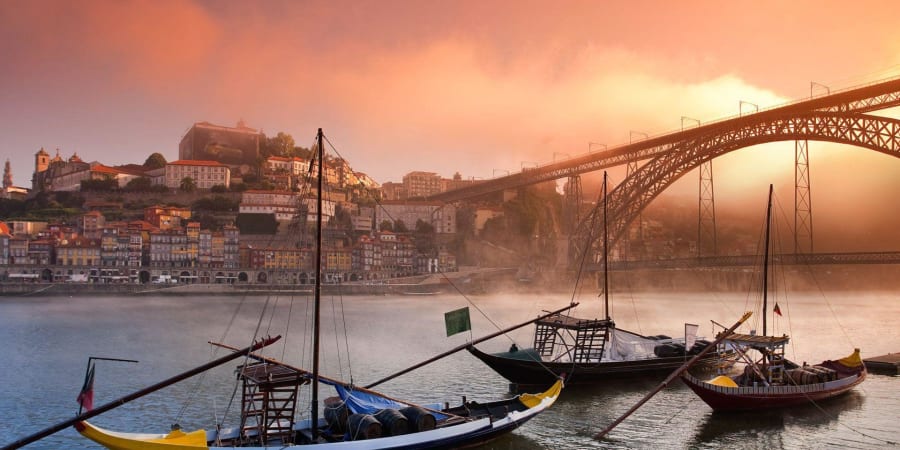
x=41, y=160
x=7, y=175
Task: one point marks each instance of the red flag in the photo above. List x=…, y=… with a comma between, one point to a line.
x=86, y=396
x=777, y=309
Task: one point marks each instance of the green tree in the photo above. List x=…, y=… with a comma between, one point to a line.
x=400, y=227
x=187, y=184
x=386, y=225
x=104, y=184
x=155, y=161
x=424, y=238
x=281, y=145
x=139, y=184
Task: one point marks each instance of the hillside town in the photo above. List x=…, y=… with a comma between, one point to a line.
x=256, y=231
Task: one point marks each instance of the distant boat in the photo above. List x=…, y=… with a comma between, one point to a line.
x=768, y=379
x=589, y=351
x=355, y=418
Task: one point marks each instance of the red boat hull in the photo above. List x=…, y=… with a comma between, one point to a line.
x=721, y=398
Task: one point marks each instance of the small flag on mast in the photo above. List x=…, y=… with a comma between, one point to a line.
x=777, y=309
x=86, y=396
x=690, y=335
x=457, y=321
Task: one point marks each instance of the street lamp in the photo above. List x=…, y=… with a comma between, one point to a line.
x=595, y=143
x=741, y=104
x=632, y=133
x=683, y=118
x=813, y=84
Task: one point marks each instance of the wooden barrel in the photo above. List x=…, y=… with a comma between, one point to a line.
x=828, y=374
x=419, y=419
x=393, y=422
x=336, y=414
x=363, y=426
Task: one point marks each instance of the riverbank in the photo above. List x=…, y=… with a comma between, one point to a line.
x=494, y=280
x=467, y=280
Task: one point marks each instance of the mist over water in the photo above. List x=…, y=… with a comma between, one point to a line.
x=47, y=342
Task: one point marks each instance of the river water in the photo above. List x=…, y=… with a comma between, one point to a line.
x=46, y=342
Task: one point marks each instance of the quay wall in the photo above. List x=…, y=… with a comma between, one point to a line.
x=498, y=280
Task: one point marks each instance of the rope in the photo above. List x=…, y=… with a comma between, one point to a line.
x=835, y=418
x=192, y=393
x=246, y=359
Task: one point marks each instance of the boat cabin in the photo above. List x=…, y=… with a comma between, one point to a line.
x=563, y=337
x=766, y=368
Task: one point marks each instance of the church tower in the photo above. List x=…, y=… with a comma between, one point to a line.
x=7, y=175
x=41, y=161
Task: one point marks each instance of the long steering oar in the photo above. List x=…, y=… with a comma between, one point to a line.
x=467, y=344
x=121, y=401
x=674, y=374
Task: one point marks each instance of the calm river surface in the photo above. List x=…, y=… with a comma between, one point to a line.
x=46, y=343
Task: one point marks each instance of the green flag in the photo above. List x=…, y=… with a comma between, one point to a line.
x=457, y=321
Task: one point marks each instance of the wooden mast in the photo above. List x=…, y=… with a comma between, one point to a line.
x=314, y=414
x=605, y=253
x=766, y=263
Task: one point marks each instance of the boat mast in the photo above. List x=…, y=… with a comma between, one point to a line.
x=766, y=263
x=605, y=254
x=320, y=156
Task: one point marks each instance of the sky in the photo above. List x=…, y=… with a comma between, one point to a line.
x=481, y=87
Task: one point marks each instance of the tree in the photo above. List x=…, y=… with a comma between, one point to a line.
x=155, y=161
x=424, y=238
x=386, y=225
x=281, y=145
x=218, y=189
x=103, y=184
x=400, y=227
x=187, y=184
x=139, y=184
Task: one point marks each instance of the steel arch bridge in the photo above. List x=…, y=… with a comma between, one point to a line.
x=629, y=198
x=860, y=100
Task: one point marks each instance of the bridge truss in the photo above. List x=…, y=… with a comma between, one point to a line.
x=840, y=117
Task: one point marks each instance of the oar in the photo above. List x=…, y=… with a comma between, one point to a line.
x=463, y=346
x=123, y=400
x=674, y=374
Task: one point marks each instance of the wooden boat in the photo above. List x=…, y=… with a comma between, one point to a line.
x=354, y=418
x=589, y=351
x=769, y=380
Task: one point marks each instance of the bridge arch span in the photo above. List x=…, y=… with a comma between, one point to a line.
x=630, y=197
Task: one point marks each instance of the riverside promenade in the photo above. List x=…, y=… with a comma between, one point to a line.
x=469, y=280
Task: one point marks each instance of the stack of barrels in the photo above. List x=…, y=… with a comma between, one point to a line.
x=384, y=423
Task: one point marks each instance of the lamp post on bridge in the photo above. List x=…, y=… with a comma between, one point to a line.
x=741, y=104
x=632, y=133
x=561, y=154
x=683, y=118
x=813, y=84
x=590, y=144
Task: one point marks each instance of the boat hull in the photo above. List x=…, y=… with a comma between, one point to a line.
x=721, y=398
x=516, y=411
x=529, y=372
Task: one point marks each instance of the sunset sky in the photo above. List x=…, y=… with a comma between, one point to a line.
x=475, y=87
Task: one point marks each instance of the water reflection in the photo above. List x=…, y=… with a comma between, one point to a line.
x=730, y=428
